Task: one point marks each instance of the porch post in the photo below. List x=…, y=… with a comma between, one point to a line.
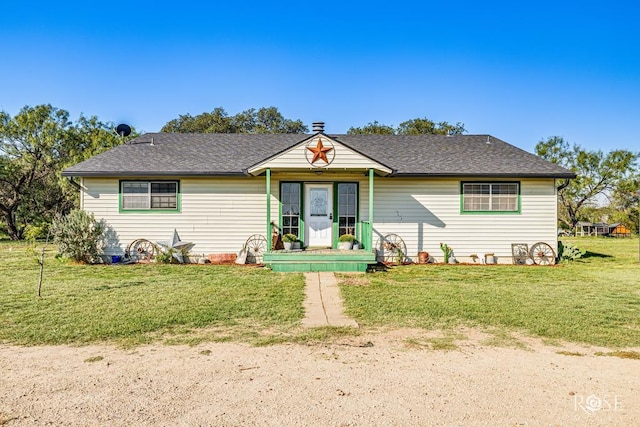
x=269, y=230
x=370, y=242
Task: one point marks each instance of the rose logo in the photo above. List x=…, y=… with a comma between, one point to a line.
x=593, y=404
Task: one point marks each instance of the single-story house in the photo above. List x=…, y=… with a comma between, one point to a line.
x=476, y=193
x=584, y=228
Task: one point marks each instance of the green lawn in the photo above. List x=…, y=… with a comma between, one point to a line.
x=595, y=300
x=140, y=303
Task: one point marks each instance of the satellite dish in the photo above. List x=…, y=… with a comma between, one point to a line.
x=123, y=130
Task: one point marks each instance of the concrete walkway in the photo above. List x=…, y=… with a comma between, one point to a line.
x=322, y=304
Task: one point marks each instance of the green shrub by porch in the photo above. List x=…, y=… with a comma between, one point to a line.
x=290, y=238
x=347, y=238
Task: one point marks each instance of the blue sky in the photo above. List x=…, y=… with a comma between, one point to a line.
x=519, y=71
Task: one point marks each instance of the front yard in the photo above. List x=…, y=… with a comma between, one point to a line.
x=594, y=301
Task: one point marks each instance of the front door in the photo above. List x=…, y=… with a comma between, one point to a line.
x=318, y=214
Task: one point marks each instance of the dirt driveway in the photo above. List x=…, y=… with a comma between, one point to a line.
x=379, y=379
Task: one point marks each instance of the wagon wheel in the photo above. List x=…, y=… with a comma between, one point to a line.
x=388, y=247
x=141, y=250
x=256, y=246
x=542, y=254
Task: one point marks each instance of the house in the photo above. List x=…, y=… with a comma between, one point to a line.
x=584, y=228
x=476, y=193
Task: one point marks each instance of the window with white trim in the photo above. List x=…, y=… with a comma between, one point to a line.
x=149, y=195
x=490, y=197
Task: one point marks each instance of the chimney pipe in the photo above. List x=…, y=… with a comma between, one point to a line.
x=318, y=126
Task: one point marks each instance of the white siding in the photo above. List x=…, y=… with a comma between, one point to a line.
x=345, y=159
x=427, y=212
x=218, y=215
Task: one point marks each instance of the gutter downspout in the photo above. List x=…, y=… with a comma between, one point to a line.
x=74, y=184
x=565, y=184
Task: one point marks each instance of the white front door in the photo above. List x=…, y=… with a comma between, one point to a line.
x=318, y=214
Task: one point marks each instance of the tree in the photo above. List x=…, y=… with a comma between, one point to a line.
x=372, y=128
x=29, y=147
x=263, y=120
x=625, y=203
x=217, y=121
x=266, y=120
x=35, y=146
x=418, y=126
x=598, y=174
x=428, y=127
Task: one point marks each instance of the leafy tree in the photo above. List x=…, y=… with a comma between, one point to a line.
x=30, y=144
x=625, y=203
x=410, y=127
x=35, y=145
x=598, y=174
x=372, y=128
x=263, y=120
x=266, y=120
x=217, y=121
x=428, y=127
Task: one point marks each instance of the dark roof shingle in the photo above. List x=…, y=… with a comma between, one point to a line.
x=232, y=154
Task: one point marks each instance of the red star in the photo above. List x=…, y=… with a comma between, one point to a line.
x=319, y=152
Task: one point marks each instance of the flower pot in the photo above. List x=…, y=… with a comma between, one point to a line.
x=288, y=246
x=296, y=245
x=345, y=245
x=356, y=246
x=423, y=257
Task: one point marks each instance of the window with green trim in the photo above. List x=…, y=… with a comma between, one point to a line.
x=149, y=195
x=490, y=196
x=290, y=199
x=347, y=207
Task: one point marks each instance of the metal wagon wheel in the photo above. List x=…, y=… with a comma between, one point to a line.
x=542, y=254
x=390, y=247
x=256, y=246
x=141, y=250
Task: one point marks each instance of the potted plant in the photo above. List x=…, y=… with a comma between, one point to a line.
x=356, y=245
x=346, y=241
x=288, y=240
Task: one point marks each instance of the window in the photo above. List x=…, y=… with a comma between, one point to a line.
x=347, y=207
x=490, y=197
x=149, y=195
x=290, y=199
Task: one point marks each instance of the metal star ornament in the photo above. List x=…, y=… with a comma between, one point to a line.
x=320, y=152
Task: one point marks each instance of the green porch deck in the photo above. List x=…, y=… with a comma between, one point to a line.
x=319, y=260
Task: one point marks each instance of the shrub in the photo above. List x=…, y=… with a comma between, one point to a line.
x=34, y=232
x=289, y=238
x=347, y=238
x=78, y=236
x=568, y=252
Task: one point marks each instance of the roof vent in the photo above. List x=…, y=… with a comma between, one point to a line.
x=318, y=126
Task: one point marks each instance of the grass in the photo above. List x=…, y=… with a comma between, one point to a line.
x=137, y=304
x=595, y=300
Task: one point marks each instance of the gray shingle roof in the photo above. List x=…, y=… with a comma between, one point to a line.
x=232, y=154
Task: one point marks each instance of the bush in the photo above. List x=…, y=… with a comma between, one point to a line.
x=289, y=238
x=35, y=232
x=567, y=252
x=79, y=236
x=346, y=238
